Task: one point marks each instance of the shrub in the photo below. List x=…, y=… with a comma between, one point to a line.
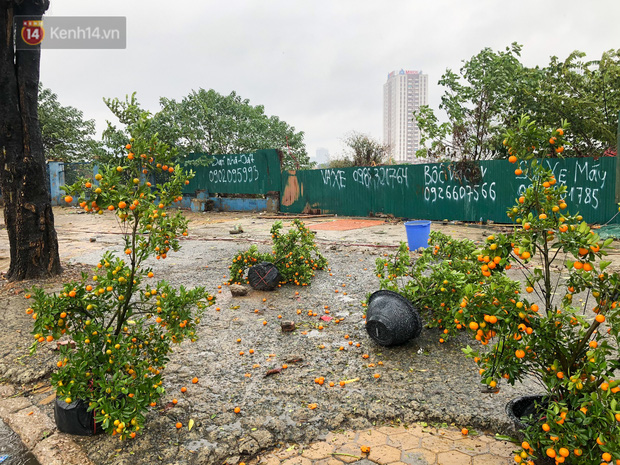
x=295, y=254
x=446, y=282
x=572, y=352
x=123, y=325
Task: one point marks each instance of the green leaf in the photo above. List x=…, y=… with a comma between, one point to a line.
x=33, y=348
x=467, y=350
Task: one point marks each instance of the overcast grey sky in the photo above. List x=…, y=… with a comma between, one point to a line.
x=319, y=65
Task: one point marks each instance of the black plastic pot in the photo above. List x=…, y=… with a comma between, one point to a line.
x=519, y=409
x=264, y=276
x=74, y=418
x=391, y=319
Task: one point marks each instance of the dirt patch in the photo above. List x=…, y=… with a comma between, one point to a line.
x=345, y=225
x=16, y=364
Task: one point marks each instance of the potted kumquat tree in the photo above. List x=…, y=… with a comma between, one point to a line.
x=571, y=351
x=538, y=334
x=122, y=324
x=295, y=253
x=446, y=277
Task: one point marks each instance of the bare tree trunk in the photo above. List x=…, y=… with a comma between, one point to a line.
x=23, y=176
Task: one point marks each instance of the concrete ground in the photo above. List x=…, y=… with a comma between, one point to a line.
x=418, y=444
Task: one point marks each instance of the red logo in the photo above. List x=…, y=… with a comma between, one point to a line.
x=33, y=32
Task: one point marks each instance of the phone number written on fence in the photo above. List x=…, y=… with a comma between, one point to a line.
x=367, y=177
x=234, y=175
x=486, y=191
x=381, y=177
x=438, y=186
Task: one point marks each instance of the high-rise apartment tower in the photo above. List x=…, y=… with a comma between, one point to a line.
x=403, y=93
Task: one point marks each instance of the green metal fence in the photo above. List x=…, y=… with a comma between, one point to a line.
x=245, y=173
x=437, y=191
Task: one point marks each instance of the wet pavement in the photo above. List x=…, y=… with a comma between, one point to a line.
x=422, y=381
x=12, y=450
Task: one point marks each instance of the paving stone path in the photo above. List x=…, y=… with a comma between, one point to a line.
x=414, y=445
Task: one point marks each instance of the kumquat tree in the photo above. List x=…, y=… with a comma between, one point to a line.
x=123, y=323
x=295, y=254
x=447, y=276
x=572, y=352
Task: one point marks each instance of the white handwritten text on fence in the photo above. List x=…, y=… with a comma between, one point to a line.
x=439, y=185
x=369, y=177
x=236, y=169
x=586, y=172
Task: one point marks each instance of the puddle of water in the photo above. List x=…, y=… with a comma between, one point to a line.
x=315, y=333
x=11, y=445
x=200, y=444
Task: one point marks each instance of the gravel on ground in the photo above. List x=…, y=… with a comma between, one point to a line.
x=421, y=381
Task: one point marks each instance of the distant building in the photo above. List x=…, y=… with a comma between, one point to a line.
x=322, y=156
x=403, y=93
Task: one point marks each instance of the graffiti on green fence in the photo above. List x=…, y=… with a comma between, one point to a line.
x=587, y=180
x=443, y=183
x=244, y=173
x=442, y=191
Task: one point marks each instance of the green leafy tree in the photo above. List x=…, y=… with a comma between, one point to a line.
x=570, y=350
x=478, y=101
x=364, y=150
x=587, y=95
x=206, y=121
x=122, y=321
x=129, y=114
x=345, y=162
x=67, y=136
x=493, y=89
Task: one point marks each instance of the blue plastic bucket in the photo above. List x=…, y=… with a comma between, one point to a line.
x=417, y=233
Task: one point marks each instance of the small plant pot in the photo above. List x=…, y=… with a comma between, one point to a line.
x=519, y=409
x=74, y=418
x=264, y=276
x=391, y=319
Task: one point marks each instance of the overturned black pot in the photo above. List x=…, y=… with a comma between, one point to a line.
x=391, y=319
x=74, y=418
x=264, y=276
